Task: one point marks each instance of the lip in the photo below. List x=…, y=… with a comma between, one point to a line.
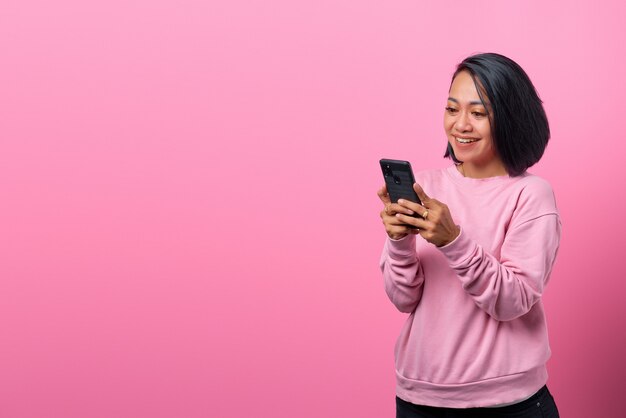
x=456, y=137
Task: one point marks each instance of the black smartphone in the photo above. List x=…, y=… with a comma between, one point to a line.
x=399, y=180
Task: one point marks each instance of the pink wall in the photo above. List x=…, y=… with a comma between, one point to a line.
x=189, y=220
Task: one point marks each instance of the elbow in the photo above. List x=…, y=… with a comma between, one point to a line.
x=507, y=315
x=405, y=302
x=509, y=300
x=512, y=311
x=406, y=307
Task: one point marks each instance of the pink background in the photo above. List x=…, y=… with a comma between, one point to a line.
x=188, y=188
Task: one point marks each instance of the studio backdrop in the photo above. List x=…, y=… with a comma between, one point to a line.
x=189, y=217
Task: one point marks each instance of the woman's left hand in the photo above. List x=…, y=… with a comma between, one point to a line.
x=435, y=225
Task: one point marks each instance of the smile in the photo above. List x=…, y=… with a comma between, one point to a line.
x=465, y=140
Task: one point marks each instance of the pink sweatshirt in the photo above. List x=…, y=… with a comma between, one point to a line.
x=476, y=335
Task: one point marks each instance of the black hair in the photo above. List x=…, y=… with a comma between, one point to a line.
x=519, y=126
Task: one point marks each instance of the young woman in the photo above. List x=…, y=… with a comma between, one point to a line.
x=472, y=267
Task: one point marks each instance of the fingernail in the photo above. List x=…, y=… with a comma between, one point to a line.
x=410, y=212
x=401, y=201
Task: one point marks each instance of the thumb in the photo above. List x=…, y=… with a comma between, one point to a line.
x=383, y=195
x=420, y=193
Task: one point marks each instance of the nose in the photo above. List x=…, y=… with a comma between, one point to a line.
x=462, y=123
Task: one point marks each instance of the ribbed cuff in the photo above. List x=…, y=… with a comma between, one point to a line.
x=458, y=250
x=401, y=248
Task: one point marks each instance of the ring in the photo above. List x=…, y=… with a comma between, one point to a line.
x=425, y=214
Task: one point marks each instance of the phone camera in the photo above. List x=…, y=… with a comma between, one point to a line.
x=396, y=180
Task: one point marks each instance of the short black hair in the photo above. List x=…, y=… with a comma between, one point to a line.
x=519, y=125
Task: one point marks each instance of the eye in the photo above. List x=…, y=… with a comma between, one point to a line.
x=451, y=110
x=479, y=114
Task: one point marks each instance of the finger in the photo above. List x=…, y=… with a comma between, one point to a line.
x=383, y=195
x=394, y=208
x=421, y=193
x=398, y=229
x=415, y=207
x=411, y=220
x=391, y=220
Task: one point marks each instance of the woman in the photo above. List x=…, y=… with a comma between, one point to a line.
x=476, y=343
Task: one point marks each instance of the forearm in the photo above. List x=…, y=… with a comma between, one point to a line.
x=508, y=287
x=402, y=273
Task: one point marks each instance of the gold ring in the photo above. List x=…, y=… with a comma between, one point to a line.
x=425, y=214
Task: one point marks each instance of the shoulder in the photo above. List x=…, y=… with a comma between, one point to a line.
x=533, y=187
x=535, y=197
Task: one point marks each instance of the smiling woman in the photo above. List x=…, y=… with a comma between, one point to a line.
x=476, y=341
x=468, y=128
x=492, y=98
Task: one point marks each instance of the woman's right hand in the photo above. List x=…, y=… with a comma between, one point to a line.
x=394, y=228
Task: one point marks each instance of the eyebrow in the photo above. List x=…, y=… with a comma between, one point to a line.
x=452, y=99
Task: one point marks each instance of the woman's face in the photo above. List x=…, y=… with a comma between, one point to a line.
x=466, y=121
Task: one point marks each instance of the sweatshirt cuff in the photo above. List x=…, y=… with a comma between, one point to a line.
x=458, y=250
x=401, y=248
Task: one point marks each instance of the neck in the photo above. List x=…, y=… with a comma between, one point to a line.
x=482, y=172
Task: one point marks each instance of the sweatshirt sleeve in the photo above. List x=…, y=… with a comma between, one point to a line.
x=508, y=287
x=402, y=273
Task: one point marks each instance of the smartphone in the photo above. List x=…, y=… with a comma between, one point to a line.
x=399, y=180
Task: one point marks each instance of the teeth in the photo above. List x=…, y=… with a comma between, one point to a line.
x=465, y=141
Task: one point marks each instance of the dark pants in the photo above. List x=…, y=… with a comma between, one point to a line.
x=540, y=405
